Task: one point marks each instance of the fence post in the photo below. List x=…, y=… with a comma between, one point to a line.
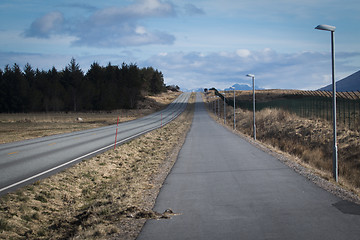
x=358, y=103
x=354, y=105
x=343, y=100
x=348, y=101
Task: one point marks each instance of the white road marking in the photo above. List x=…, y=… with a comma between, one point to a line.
x=74, y=160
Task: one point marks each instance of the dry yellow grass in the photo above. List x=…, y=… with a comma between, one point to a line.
x=16, y=127
x=261, y=95
x=108, y=196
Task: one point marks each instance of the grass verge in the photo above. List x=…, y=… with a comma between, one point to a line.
x=109, y=196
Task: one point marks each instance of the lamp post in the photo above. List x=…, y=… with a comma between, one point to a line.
x=218, y=101
x=335, y=152
x=214, y=105
x=253, y=83
x=234, y=105
x=224, y=107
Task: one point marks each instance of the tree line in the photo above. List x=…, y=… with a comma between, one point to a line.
x=101, y=88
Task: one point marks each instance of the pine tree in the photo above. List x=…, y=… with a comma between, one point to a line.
x=72, y=80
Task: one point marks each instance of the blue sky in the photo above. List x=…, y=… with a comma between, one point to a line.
x=203, y=43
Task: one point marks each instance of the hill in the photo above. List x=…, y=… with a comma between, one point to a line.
x=240, y=87
x=192, y=90
x=243, y=87
x=348, y=84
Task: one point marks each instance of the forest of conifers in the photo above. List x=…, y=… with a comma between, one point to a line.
x=101, y=88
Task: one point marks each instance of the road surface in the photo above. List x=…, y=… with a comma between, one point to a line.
x=27, y=161
x=223, y=187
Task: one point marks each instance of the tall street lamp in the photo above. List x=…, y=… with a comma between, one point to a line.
x=215, y=105
x=218, y=102
x=234, y=105
x=224, y=107
x=253, y=83
x=335, y=151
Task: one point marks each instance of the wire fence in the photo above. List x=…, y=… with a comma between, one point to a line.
x=314, y=104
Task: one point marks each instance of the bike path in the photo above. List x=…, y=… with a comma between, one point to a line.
x=222, y=187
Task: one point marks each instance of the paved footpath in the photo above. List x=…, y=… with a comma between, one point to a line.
x=225, y=188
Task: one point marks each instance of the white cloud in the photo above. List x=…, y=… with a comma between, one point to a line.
x=140, y=30
x=244, y=53
x=46, y=25
x=304, y=70
x=140, y=9
x=152, y=8
x=111, y=27
x=119, y=26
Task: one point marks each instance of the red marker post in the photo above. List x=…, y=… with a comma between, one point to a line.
x=117, y=125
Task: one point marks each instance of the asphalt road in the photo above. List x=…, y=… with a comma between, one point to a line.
x=223, y=187
x=27, y=161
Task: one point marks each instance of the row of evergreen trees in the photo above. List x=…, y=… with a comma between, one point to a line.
x=101, y=88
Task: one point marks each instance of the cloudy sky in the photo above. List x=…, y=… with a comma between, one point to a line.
x=203, y=43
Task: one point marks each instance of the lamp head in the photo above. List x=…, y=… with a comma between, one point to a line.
x=250, y=75
x=326, y=27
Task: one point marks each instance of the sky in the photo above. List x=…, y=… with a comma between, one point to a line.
x=196, y=44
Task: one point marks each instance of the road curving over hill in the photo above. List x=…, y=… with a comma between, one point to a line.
x=24, y=162
x=222, y=187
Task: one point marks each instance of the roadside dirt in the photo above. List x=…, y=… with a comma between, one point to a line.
x=109, y=196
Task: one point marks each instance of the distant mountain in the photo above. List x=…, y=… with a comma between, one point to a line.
x=192, y=90
x=243, y=87
x=348, y=84
x=237, y=86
